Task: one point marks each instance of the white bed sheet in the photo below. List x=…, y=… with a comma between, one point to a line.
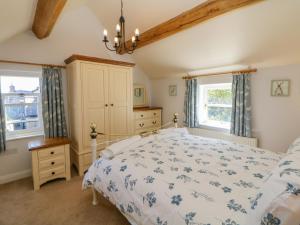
x=177, y=178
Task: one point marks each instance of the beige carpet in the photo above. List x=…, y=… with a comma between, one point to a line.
x=56, y=203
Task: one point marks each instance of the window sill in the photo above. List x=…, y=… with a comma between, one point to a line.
x=214, y=128
x=25, y=136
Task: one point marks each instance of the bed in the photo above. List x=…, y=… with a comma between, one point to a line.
x=175, y=178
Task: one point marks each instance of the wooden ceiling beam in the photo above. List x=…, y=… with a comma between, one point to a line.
x=190, y=18
x=47, y=12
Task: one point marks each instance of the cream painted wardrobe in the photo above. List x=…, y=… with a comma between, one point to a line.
x=100, y=91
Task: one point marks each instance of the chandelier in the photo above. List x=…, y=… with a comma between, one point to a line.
x=120, y=45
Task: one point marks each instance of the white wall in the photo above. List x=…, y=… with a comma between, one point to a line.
x=276, y=120
x=78, y=31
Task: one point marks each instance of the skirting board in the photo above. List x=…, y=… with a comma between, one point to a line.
x=15, y=176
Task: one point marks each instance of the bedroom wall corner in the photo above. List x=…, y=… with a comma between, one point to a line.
x=276, y=120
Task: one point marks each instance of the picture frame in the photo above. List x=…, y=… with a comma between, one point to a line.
x=280, y=88
x=172, y=90
x=139, y=95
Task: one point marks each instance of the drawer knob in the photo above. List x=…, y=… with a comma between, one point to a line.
x=141, y=124
x=142, y=115
x=53, y=173
x=106, y=105
x=154, y=122
x=111, y=104
x=154, y=114
x=52, y=163
x=51, y=153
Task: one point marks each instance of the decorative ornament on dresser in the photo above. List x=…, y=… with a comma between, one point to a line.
x=120, y=45
x=280, y=88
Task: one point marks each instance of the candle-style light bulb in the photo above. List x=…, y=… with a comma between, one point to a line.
x=105, y=33
x=116, y=40
x=137, y=32
x=133, y=39
x=118, y=28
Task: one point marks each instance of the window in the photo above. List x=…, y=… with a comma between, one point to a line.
x=215, y=105
x=21, y=98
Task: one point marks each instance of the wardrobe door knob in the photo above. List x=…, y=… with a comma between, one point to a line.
x=52, y=163
x=51, y=153
x=53, y=173
x=111, y=104
x=106, y=105
x=142, y=115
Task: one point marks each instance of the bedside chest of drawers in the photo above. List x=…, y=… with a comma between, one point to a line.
x=147, y=119
x=50, y=160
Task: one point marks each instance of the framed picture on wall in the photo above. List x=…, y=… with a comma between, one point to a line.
x=172, y=90
x=280, y=88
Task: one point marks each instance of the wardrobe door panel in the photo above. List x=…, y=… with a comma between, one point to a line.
x=120, y=101
x=94, y=81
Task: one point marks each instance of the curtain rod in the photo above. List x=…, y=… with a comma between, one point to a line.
x=32, y=64
x=236, y=72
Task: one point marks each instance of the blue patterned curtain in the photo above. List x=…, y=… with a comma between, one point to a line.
x=191, y=103
x=2, y=127
x=53, y=103
x=241, y=106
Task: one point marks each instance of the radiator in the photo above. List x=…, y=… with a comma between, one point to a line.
x=253, y=142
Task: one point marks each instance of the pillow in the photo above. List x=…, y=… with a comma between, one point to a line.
x=285, y=209
x=181, y=131
x=281, y=188
x=294, y=147
x=118, y=147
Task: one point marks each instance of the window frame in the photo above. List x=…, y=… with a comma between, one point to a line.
x=19, y=134
x=203, y=106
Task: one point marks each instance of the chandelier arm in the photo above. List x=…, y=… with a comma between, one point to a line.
x=113, y=50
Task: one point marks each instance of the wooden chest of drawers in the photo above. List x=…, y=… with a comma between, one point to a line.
x=50, y=160
x=147, y=119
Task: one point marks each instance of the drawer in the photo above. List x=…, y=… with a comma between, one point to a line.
x=142, y=115
x=51, y=152
x=155, y=113
x=45, y=164
x=147, y=114
x=52, y=173
x=142, y=124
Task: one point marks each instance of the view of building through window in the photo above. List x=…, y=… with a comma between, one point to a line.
x=215, y=105
x=21, y=98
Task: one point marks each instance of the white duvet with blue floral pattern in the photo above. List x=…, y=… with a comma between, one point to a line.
x=177, y=178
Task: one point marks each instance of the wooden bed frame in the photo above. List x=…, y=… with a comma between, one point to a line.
x=94, y=144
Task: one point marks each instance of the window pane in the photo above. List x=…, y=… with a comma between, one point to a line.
x=219, y=113
x=19, y=99
x=10, y=84
x=219, y=96
x=22, y=125
x=21, y=112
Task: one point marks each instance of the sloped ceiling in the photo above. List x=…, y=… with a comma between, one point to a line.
x=143, y=14
x=15, y=17
x=264, y=34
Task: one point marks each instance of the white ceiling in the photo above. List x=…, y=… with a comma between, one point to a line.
x=261, y=35
x=264, y=34
x=15, y=17
x=142, y=14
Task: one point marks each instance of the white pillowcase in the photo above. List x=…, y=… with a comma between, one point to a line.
x=285, y=178
x=118, y=147
x=174, y=130
x=294, y=147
